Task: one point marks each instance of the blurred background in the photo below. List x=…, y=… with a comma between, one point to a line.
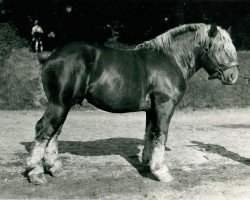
x=117, y=23
x=134, y=21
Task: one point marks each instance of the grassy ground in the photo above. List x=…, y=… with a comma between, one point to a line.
x=209, y=156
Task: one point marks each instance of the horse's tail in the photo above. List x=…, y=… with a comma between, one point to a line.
x=43, y=56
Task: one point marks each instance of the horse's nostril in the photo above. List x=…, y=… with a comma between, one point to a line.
x=232, y=77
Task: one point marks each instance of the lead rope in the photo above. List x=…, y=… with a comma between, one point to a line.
x=245, y=77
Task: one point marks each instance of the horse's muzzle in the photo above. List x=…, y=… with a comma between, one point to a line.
x=230, y=75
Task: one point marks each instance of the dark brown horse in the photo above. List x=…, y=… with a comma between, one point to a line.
x=151, y=78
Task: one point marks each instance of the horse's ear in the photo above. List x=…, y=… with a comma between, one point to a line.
x=213, y=30
x=229, y=30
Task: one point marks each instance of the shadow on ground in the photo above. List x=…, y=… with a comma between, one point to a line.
x=128, y=149
x=233, y=126
x=220, y=150
x=125, y=147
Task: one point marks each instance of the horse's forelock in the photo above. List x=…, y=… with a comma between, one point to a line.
x=223, y=38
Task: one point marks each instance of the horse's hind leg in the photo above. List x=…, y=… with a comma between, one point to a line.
x=51, y=162
x=46, y=127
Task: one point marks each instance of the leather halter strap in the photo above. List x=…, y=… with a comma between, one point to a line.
x=219, y=69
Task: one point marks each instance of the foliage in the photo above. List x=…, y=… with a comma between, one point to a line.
x=134, y=20
x=19, y=79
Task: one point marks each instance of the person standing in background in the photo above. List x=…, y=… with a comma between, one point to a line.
x=36, y=34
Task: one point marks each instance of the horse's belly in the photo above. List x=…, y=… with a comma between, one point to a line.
x=115, y=99
x=115, y=103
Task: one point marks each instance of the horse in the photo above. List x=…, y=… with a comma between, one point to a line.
x=150, y=77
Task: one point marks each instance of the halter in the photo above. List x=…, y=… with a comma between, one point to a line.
x=219, y=69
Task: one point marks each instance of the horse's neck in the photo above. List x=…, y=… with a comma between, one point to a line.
x=187, y=58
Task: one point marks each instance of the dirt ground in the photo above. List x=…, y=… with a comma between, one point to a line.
x=208, y=156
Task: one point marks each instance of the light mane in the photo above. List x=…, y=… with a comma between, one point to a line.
x=166, y=41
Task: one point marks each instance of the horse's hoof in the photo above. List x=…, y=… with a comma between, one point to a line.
x=56, y=170
x=165, y=178
x=37, y=179
x=163, y=174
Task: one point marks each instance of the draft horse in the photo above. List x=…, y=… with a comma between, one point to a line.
x=152, y=77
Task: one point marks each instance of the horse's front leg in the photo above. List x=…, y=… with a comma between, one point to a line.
x=155, y=149
x=149, y=134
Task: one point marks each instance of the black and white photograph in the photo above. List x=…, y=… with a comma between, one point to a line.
x=125, y=99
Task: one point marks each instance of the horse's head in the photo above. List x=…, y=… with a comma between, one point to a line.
x=219, y=57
